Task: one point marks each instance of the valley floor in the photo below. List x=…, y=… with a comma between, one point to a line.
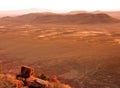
x=84, y=56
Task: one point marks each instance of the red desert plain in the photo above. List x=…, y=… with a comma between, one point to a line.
x=81, y=49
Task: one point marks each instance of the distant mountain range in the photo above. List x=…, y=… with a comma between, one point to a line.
x=68, y=18
x=115, y=14
x=21, y=12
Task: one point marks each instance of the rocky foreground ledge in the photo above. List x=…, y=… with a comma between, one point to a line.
x=28, y=79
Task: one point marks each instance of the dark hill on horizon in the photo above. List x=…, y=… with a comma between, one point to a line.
x=51, y=18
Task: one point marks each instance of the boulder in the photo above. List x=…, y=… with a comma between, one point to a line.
x=26, y=72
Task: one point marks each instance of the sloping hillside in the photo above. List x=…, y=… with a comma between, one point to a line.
x=82, y=18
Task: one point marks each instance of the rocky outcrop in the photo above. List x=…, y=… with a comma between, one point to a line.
x=28, y=79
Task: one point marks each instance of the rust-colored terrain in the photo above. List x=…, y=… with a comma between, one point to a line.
x=83, y=50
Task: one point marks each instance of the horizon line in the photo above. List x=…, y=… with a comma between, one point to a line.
x=49, y=10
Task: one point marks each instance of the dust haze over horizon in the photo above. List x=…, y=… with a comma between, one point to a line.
x=61, y=5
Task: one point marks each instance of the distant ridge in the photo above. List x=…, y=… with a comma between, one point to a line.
x=52, y=18
x=115, y=14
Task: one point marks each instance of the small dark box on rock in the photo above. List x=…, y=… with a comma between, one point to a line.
x=26, y=72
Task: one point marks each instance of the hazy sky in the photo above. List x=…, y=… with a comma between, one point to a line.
x=60, y=5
